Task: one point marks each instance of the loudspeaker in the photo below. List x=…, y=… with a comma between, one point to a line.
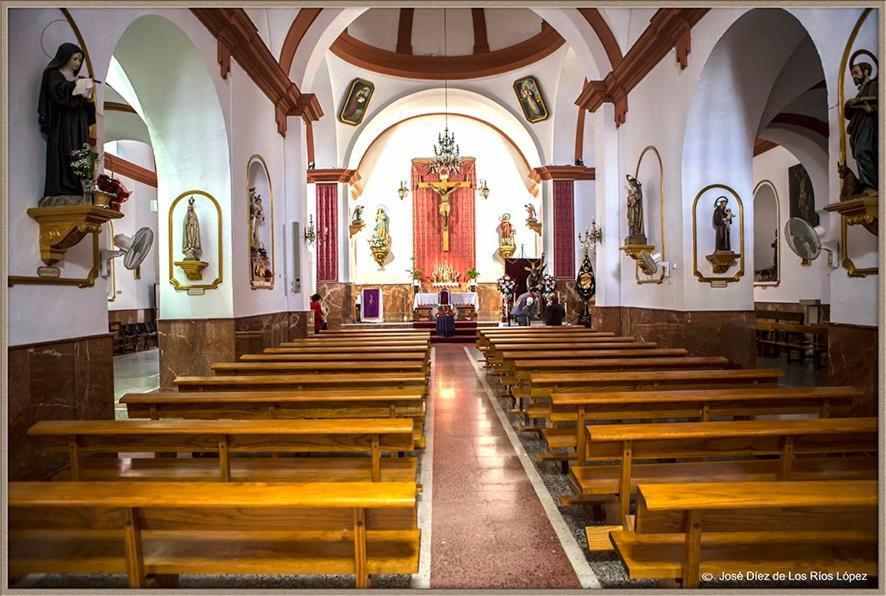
x=296, y=257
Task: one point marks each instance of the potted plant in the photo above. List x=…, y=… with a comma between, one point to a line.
x=114, y=189
x=472, y=276
x=83, y=161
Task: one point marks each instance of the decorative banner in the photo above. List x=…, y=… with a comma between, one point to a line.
x=327, y=232
x=564, y=229
x=427, y=223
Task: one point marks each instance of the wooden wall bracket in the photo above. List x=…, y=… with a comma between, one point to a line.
x=64, y=227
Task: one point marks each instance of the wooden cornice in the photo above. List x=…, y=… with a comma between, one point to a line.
x=565, y=173
x=803, y=121
x=668, y=28
x=762, y=146
x=332, y=175
x=404, y=31
x=120, y=166
x=481, y=39
x=472, y=66
x=116, y=106
x=238, y=38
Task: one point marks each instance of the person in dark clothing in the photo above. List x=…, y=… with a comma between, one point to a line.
x=555, y=312
x=319, y=316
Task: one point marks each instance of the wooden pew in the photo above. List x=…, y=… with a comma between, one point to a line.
x=352, y=381
x=227, y=438
x=780, y=315
x=335, y=351
x=507, y=359
x=707, y=443
x=496, y=354
x=486, y=340
x=168, y=528
x=347, y=356
x=318, y=367
x=577, y=343
x=686, y=530
x=700, y=404
x=524, y=368
x=373, y=331
x=356, y=342
x=376, y=402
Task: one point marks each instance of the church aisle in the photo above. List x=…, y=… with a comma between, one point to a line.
x=489, y=529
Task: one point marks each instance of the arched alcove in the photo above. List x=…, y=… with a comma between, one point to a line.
x=766, y=234
x=172, y=91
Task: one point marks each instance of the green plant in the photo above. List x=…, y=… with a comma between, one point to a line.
x=472, y=273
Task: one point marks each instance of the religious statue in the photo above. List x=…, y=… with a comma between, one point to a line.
x=536, y=275
x=66, y=114
x=191, y=248
x=444, y=189
x=861, y=111
x=358, y=215
x=256, y=219
x=381, y=225
x=532, y=219
x=635, y=212
x=722, y=219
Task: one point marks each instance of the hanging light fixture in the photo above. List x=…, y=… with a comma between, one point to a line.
x=447, y=159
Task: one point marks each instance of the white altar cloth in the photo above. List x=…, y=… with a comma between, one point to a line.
x=456, y=299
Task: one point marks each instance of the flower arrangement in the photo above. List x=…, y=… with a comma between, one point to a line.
x=446, y=310
x=83, y=162
x=507, y=285
x=112, y=186
x=377, y=243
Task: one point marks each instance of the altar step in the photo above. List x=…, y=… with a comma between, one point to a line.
x=465, y=331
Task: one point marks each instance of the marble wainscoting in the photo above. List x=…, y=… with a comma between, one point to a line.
x=68, y=379
x=396, y=300
x=570, y=299
x=335, y=296
x=132, y=315
x=490, y=302
x=299, y=323
x=703, y=333
x=255, y=333
x=192, y=346
x=852, y=360
x=606, y=318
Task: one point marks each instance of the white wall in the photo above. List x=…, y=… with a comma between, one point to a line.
x=798, y=282
x=415, y=138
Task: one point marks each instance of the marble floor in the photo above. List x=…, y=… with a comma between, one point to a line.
x=138, y=372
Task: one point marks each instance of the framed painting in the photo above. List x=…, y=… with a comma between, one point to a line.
x=356, y=102
x=802, y=197
x=529, y=96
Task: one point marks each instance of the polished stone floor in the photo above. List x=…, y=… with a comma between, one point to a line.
x=138, y=372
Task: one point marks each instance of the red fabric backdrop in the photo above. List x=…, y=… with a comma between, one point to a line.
x=327, y=232
x=427, y=240
x=564, y=229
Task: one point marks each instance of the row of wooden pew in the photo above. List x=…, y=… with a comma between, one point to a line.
x=695, y=468
x=301, y=459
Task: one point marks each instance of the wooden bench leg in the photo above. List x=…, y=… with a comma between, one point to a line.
x=135, y=560
x=360, y=571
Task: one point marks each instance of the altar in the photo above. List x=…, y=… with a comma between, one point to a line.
x=466, y=303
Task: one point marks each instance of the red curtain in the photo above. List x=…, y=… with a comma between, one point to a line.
x=427, y=243
x=327, y=232
x=564, y=229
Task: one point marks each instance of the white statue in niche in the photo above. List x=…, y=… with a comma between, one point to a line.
x=256, y=219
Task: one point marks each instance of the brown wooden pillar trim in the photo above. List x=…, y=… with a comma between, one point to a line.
x=404, y=31
x=481, y=40
x=580, y=135
x=224, y=58
x=309, y=140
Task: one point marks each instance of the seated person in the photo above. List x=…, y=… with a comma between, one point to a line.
x=555, y=312
x=523, y=308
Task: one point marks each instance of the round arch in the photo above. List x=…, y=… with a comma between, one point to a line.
x=188, y=132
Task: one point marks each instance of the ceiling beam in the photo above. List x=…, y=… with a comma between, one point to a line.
x=762, y=146
x=803, y=121
x=297, y=30
x=604, y=34
x=481, y=39
x=404, y=31
x=238, y=38
x=122, y=167
x=566, y=173
x=668, y=28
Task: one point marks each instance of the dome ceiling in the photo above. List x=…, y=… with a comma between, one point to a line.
x=409, y=42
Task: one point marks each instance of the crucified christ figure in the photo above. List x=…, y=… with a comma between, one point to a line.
x=444, y=190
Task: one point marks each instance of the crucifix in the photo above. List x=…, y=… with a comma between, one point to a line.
x=444, y=188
